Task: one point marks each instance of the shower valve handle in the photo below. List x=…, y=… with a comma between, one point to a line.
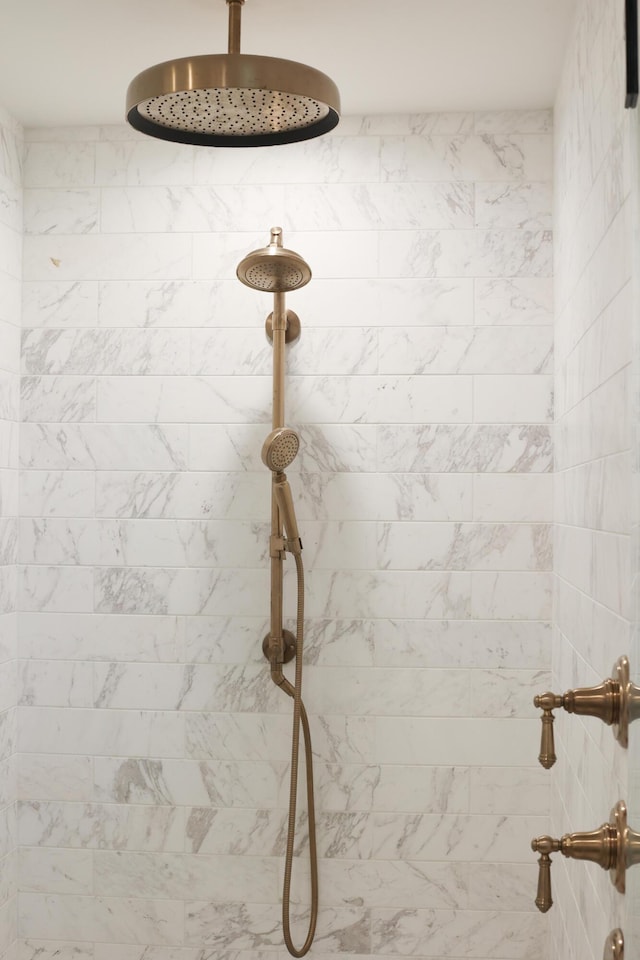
x=614, y=701
x=613, y=846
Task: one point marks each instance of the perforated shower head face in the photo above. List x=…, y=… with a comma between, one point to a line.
x=232, y=99
x=274, y=270
x=280, y=449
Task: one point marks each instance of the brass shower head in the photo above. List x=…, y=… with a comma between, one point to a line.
x=280, y=449
x=273, y=268
x=232, y=99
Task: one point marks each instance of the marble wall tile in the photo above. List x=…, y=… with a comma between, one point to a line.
x=473, y=449
x=593, y=439
x=93, y=826
x=155, y=748
x=61, y=211
x=55, y=871
x=470, y=933
x=56, y=493
x=513, y=300
x=119, y=352
x=485, y=156
x=137, y=920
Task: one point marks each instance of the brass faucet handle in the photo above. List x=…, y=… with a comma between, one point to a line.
x=544, y=846
x=547, y=702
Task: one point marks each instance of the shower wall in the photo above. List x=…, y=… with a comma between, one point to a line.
x=154, y=749
x=10, y=279
x=594, y=323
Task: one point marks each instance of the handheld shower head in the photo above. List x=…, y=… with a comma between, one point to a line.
x=280, y=449
x=273, y=268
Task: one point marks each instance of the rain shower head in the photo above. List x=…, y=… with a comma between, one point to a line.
x=280, y=449
x=232, y=99
x=273, y=268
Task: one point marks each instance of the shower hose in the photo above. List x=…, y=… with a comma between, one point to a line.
x=299, y=718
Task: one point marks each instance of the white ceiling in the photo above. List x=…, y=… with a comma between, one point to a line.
x=69, y=61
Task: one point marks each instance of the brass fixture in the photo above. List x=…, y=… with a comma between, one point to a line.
x=614, y=846
x=615, y=701
x=232, y=99
x=614, y=947
x=277, y=270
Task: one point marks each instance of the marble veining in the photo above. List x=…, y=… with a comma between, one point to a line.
x=153, y=769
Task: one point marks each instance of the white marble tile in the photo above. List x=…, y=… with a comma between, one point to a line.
x=55, y=683
x=58, y=399
x=380, y=206
x=478, y=253
x=175, y=399
x=59, y=164
x=42, y=777
x=456, y=448
x=94, y=826
x=464, y=546
x=169, y=875
x=388, y=691
x=114, y=352
x=231, y=495
x=509, y=399
x=106, y=257
x=458, y=643
x=527, y=206
x=385, y=302
x=189, y=209
x=458, y=741
x=49, y=949
x=179, y=591
x=389, y=594
x=401, y=788
x=61, y=211
x=461, y=838
x=55, y=871
x=104, y=733
x=59, y=303
x=142, y=162
x=514, y=121
x=137, y=920
x=185, y=687
x=332, y=159
x=221, y=783
x=515, y=595
x=56, y=589
x=176, y=303
x=520, y=791
x=486, y=156
x=513, y=497
x=516, y=300
x=492, y=933
x=78, y=446
x=93, y=637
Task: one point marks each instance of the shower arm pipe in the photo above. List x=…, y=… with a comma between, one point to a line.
x=279, y=322
x=235, y=14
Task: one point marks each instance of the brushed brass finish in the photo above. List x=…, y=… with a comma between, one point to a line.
x=280, y=646
x=614, y=946
x=282, y=650
x=232, y=99
x=613, y=846
x=615, y=701
x=235, y=22
x=292, y=331
x=274, y=270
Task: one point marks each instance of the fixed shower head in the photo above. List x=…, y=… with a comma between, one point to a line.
x=232, y=99
x=280, y=449
x=273, y=268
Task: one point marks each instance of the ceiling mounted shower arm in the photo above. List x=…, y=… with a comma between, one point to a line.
x=235, y=16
